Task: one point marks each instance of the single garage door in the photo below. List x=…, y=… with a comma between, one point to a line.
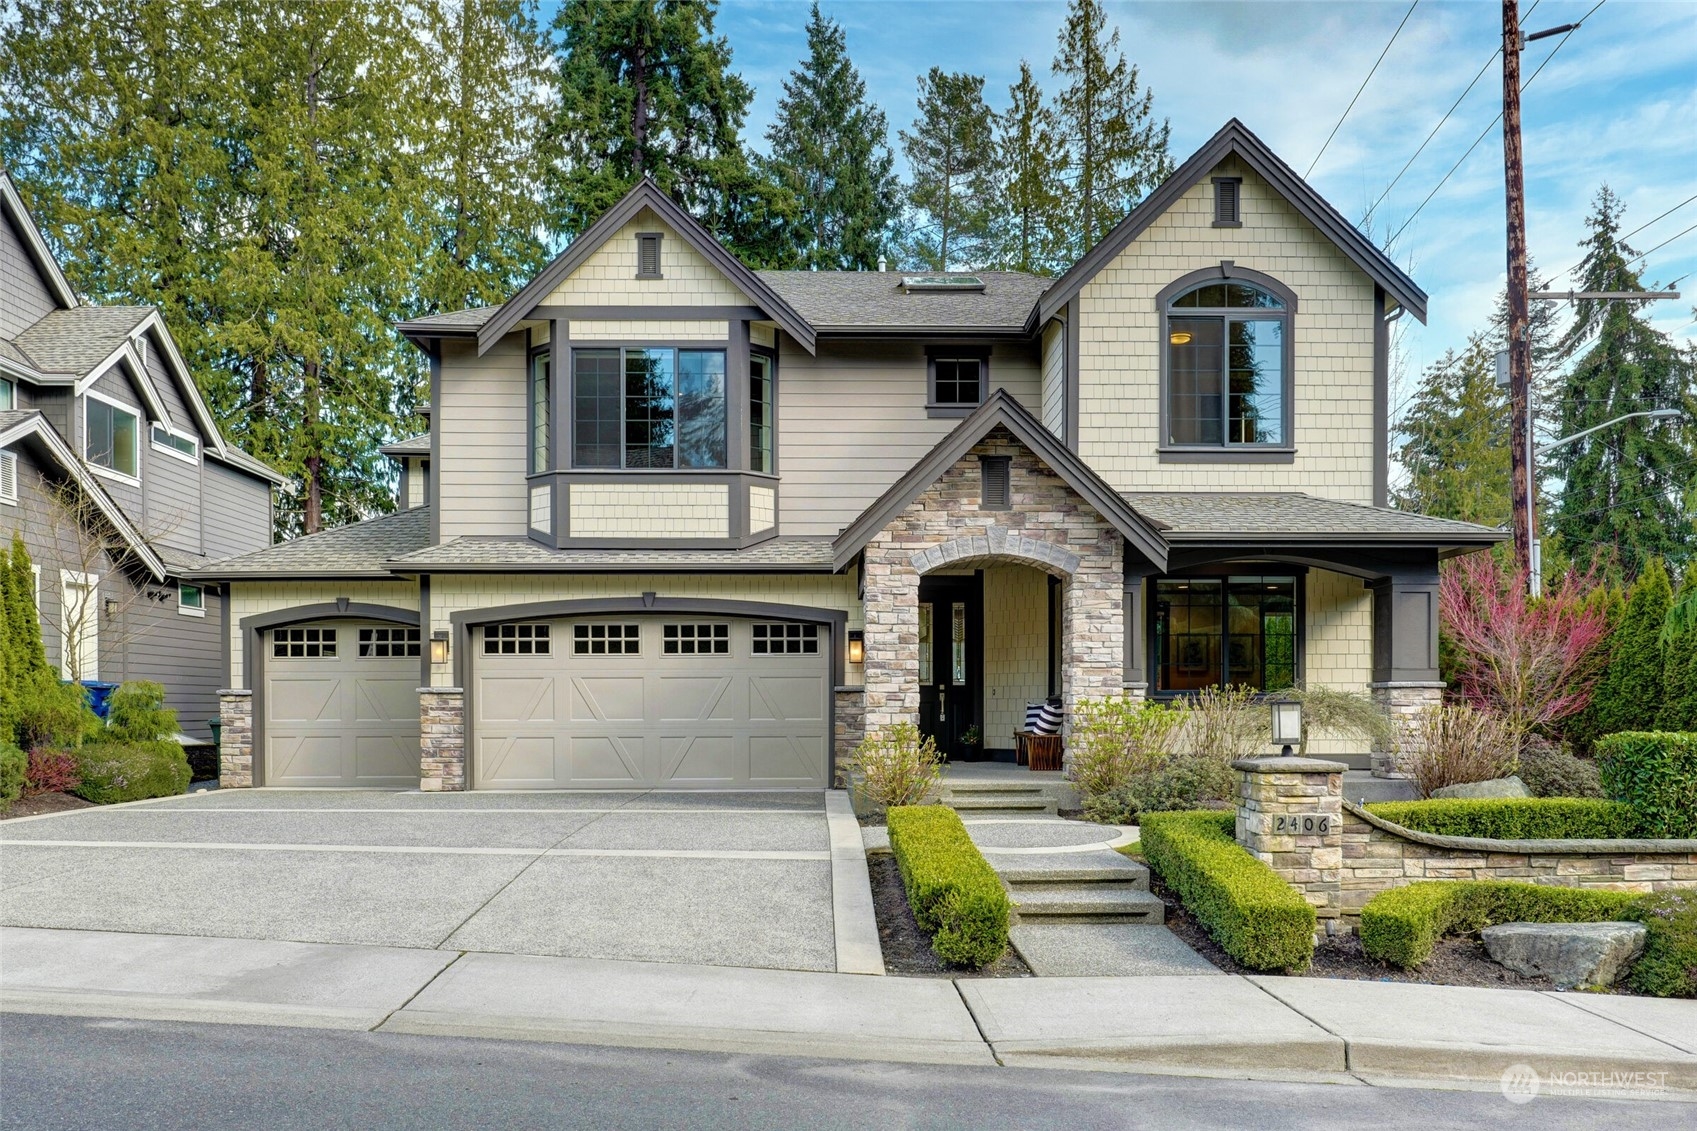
x=675, y=702
x=341, y=705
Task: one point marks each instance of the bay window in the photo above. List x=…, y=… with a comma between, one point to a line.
x=540, y=400
x=655, y=408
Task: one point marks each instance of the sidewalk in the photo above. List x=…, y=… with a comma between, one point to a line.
x=1227, y=1025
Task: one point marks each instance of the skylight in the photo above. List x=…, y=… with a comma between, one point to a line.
x=911, y=283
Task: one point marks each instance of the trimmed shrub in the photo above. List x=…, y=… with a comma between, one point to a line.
x=1656, y=774
x=112, y=772
x=1255, y=916
x=955, y=894
x=136, y=712
x=1183, y=783
x=51, y=771
x=1401, y=926
x=14, y=768
x=1454, y=745
x=1550, y=769
x=897, y=766
x=1513, y=818
x=1668, y=967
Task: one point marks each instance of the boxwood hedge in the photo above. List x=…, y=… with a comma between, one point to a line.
x=955, y=895
x=114, y=772
x=1513, y=818
x=1256, y=917
x=1401, y=926
x=1655, y=772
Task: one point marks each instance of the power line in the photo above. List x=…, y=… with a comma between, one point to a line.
x=1664, y=243
x=1562, y=43
x=1640, y=228
x=1361, y=88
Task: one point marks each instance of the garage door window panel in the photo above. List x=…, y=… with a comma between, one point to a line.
x=303, y=643
x=516, y=640
x=606, y=640
x=387, y=643
x=696, y=639
x=785, y=639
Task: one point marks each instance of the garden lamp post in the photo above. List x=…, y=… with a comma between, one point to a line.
x=1287, y=724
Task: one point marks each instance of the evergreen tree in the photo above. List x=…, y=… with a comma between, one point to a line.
x=1583, y=729
x=951, y=155
x=1116, y=151
x=1029, y=228
x=830, y=148
x=1456, y=451
x=646, y=90
x=1679, y=659
x=1625, y=488
x=1630, y=692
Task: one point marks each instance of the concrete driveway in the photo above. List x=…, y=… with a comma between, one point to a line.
x=723, y=879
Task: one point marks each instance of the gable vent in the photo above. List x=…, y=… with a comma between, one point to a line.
x=9, y=477
x=648, y=255
x=1228, y=195
x=995, y=493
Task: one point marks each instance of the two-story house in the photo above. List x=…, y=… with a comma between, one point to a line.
x=116, y=476
x=679, y=523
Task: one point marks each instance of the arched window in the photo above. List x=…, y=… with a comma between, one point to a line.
x=1228, y=361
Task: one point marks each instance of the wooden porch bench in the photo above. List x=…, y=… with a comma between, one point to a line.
x=1039, y=751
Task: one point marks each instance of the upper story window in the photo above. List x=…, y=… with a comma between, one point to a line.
x=173, y=443
x=541, y=396
x=1228, y=366
x=8, y=395
x=109, y=436
x=761, y=404
x=958, y=379
x=648, y=408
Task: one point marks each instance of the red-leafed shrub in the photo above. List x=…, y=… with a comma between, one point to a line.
x=1531, y=662
x=51, y=771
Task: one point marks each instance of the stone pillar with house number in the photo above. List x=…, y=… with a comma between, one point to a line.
x=1290, y=815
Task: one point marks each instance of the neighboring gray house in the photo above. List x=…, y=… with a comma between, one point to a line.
x=681, y=523
x=115, y=474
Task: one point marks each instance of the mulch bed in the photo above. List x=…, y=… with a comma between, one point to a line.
x=44, y=803
x=907, y=952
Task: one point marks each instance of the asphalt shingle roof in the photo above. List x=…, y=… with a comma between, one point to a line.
x=1205, y=514
x=411, y=446
x=866, y=300
x=78, y=339
x=358, y=548
x=522, y=553
x=454, y=320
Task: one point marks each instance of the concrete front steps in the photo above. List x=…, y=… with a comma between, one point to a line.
x=1098, y=886
x=972, y=799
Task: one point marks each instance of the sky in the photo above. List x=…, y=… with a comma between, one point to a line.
x=1617, y=103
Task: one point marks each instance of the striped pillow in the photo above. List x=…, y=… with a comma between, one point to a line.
x=1034, y=716
x=1048, y=719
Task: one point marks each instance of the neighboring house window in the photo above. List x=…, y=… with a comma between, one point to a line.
x=8, y=395
x=1228, y=366
x=109, y=435
x=173, y=443
x=1237, y=631
x=648, y=408
x=8, y=477
x=191, y=600
x=958, y=378
x=541, y=396
x=760, y=408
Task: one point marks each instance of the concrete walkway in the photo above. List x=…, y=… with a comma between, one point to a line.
x=1259, y=1027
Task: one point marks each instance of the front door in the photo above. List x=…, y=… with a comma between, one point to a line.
x=951, y=622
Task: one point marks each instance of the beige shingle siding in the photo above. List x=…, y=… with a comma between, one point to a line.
x=762, y=509
x=712, y=333
x=1016, y=648
x=483, y=419
x=1119, y=347
x=852, y=420
x=250, y=598
x=608, y=277
x=644, y=510
x=454, y=593
x=1338, y=651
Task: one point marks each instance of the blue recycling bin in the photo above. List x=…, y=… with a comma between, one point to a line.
x=99, y=696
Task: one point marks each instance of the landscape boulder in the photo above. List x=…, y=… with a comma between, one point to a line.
x=1569, y=954
x=1496, y=787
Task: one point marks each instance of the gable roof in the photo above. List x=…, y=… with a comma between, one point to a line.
x=1000, y=409
x=873, y=302
x=359, y=549
x=1236, y=138
x=645, y=194
x=31, y=427
x=13, y=206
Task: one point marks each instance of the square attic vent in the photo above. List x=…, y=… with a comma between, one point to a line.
x=912, y=283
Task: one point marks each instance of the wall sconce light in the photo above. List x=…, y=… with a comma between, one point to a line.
x=111, y=607
x=439, y=646
x=1287, y=723
x=857, y=647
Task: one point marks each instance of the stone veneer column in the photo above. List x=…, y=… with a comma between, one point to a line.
x=441, y=736
x=891, y=669
x=1312, y=862
x=1093, y=635
x=1403, y=702
x=235, y=738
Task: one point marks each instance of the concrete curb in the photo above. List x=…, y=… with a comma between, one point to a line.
x=858, y=948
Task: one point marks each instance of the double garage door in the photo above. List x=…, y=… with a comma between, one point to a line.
x=676, y=701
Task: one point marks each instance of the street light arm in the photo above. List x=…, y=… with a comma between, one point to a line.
x=1658, y=413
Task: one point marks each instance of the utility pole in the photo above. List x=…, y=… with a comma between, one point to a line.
x=1519, y=340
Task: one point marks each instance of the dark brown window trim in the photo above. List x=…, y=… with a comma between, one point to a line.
x=1241, y=453
x=1221, y=571
x=941, y=410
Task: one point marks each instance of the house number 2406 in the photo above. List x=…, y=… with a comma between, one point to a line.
x=1296, y=824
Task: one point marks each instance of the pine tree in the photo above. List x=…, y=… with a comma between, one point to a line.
x=646, y=90
x=1679, y=659
x=1456, y=452
x=830, y=149
x=1630, y=693
x=1116, y=151
x=951, y=155
x=1627, y=488
x=1029, y=227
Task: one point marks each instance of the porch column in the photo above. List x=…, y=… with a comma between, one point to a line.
x=1135, y=678
x=1093, y=621
x=891, y=670
x=1405, y=653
